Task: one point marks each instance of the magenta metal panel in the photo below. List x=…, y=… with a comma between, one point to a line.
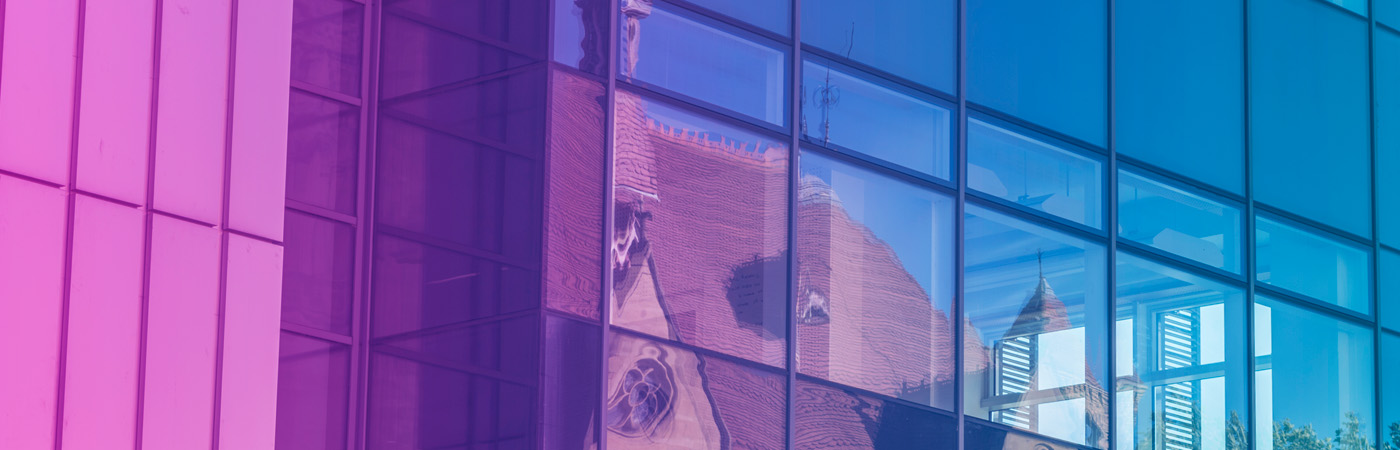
x=36, y=87
x=32, y=220
x=251, y=338
x=190, y=123
x=104, y=326
x=261, y=70
x=114, y=127
x=181, y=332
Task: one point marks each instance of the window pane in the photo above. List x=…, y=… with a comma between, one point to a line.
x=1174, y=220
x=700, y=238
x=832, y=418
x=1388, y=12
x=1390, y=392
x=768, y=14
x=661, y=396
x=682, y=53
x=1182, y=375
x=982, y=436
x=1356, y=6
x=572, y=360
x=581, y=35
x=875, y=283
x=1034, y=174
x=1036, y=337
x=1388, y=299
x=419, y=286
x=575, y=196
x=857, y=114
x=1309, y=106
x=914, y=39
x=327, y=41
x=1313, y=265
x=1387, y=106
x=1041, y=61
x=1313, y=379
x=313, y=386
x=318, y=287
x=1180, y=78
x=323, y=144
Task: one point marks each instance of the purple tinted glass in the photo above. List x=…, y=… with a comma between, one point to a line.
x=322, y=147
x=574, y=196
x=507, y=347
x=699, y=245
x=502, y=111
x=312, y=393
x=660, y=395
x=448, y=188
x=581, y=35
x=417, y=286
x=875, y=282
x=833, y=418
x=418, y=403
x=327, y=42
x=572, y=360
x=983, y=436
x=318, y=285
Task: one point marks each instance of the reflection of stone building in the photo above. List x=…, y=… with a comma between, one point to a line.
x=698, y=254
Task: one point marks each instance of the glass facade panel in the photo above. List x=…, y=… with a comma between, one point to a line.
x=571, y=367
x=327, y=42
x=1181, y=360
x=1388, y=298
x=1034, y=174
x=700, y=233
x=875, y=282
x=1313, y=381
x=320, y=273
x=1387, y=108
x=313, y=389
x=857, y=114
x=1177, y=221
x=1309, y=112
x=1388, y=12
x=1179, y=87
x=1390, y=392
x=1035, y=337
x=323, y=144
x=1045, y=62
x=829, y=417
x=660, y=396
x=772, y=15
x=1356, y=6
x=581, y=35
x=419, y=286
x=1310, y=264
x=913, y=39
x=662, y=46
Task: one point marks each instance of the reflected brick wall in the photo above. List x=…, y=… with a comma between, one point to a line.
x=142, y=151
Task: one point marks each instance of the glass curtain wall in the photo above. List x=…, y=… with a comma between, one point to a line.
x=826, y=224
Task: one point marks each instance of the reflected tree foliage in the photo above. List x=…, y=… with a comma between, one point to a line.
x=1351, y=436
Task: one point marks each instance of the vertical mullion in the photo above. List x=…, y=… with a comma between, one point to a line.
x=1249, y=263
x=224, y=224
x=357, y=416
x=794, y=175
x=1111, y=294
x=1375, y=226
x=959, y=232
x=609, y=221
x=148, y=220
x=543, y=169
x=70, y=206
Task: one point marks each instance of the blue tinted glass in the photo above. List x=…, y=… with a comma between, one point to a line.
x=1313, y=381
x=1388, y=134
x=688, y=55
x=872, y=249
x=1309, y=106
x=1182, y=359
x=1036, y=333
x=1388, y=299
x=581, y=35
x=1388, y=12
x=1313, y=265
x=914, y=39
x=1356, y=6
x=1179, y=87
x=1390, y=392
x=1042, y=61
x=849, y=112
x=1034, y=174
x=831, y=418
x=768, y=14
x=1174, y=220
